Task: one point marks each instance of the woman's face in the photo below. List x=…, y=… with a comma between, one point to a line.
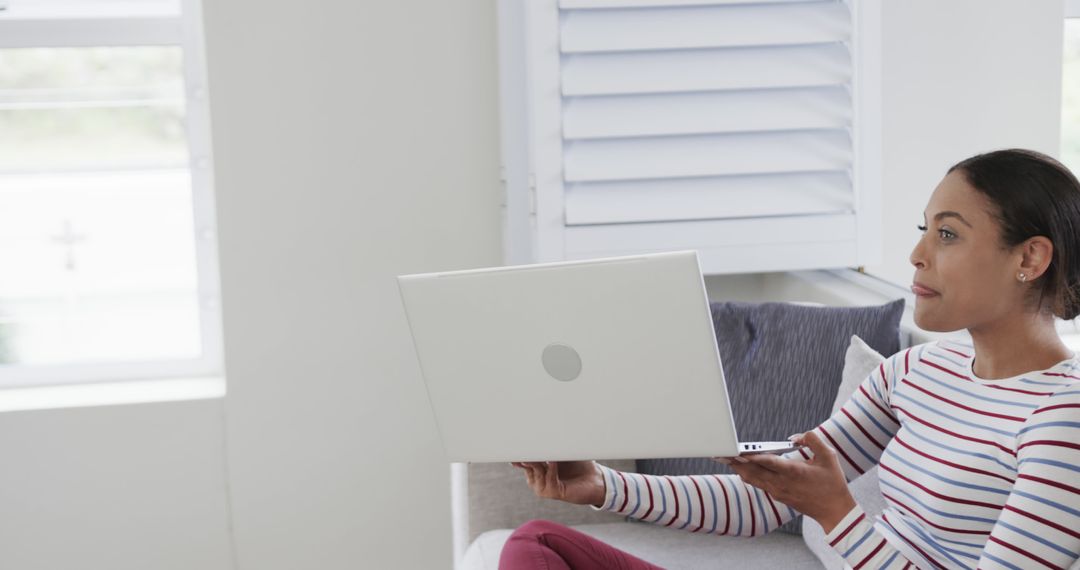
x=964, y=277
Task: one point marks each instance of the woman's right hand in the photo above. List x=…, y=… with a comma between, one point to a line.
x=578, y=482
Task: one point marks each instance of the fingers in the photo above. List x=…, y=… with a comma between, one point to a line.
x=542, y=477
x=771, y=462
x=552, y=479
x=754, y=474
x=817, y=445
x=531, y=476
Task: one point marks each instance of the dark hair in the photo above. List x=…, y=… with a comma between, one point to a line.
x=1035, y=195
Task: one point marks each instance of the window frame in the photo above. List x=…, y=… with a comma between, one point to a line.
x=121, y=24
x=1072, y=8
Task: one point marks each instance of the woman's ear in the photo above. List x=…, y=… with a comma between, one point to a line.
x=1036, y=254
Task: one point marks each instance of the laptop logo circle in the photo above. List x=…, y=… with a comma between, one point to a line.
x=561, y=362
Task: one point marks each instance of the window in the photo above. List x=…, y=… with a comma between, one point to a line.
x=1070, y=107
x=107, y=246
x=1070, y=125
x=749, y=131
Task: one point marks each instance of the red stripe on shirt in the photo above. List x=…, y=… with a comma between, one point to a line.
x=651, y=503
x=961, y=406
x=1061, y=375
x=929, y=522
x=956, y=352
x=951, y=464
x=626, y=491
x=1041, y=520
x=936, y=427
x=1042, y=561
x=943, y=369
x=912, y=544
x=935, y=493
x=841, y=451
x=968, y=378
x=750, y=507
x=775, y=512
x=869, y=556
x=701, y=503
x=841, y=536
x=727, y=505
x=1050, y=442
x=887, y=413
x=676, y=495
x=1062, y=486
x=862, y=429
x=1057, y=407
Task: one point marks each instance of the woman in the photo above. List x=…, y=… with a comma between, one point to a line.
x=978, y=444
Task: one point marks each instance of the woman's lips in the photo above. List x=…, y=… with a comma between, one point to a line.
x=921, y=290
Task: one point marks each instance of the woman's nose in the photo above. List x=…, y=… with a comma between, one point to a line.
x=916, y=257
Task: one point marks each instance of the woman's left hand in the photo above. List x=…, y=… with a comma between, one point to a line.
x=815, y=488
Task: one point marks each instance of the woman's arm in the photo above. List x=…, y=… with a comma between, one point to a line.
x=1040, y=524
x=746, y=504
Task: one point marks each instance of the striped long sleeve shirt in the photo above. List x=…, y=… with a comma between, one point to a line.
x=975, y=473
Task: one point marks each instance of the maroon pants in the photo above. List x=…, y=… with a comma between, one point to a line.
x=545, y=545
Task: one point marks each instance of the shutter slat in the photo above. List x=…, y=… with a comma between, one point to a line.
x=691, y=235
x=591, y=4
x=699, y=113
x=705, y=70
x=712, y=155
x=584, y=31
x=708, y=198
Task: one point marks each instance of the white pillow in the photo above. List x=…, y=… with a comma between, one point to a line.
x=859, y=361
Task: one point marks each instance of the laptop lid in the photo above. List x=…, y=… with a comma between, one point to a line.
x=605, y=358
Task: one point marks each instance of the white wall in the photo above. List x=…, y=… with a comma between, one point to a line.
x=354, y=141
x=960, y=77
x=114, y=488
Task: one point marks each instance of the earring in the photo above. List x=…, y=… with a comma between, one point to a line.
x=1023, y=278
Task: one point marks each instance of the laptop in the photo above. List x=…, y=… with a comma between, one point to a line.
x=598, y=359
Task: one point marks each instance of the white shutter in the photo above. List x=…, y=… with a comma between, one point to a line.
x=658, y=124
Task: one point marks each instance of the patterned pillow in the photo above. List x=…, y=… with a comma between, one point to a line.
x=783, y=363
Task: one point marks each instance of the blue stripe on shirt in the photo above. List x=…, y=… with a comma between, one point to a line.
x=1027, y=429
x=940, y=413
x=1036, y=538
x=869, y=458
x=911, y=430
x=855, y=546
x=689, y=509
x=893, y=455
x=715, y=508
x=637, y=491
x=761, y=508
x=971, y=394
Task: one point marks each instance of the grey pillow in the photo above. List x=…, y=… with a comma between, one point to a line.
x=783, y=363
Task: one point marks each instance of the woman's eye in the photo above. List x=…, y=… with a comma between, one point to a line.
x=921, y=228
x=946, y=234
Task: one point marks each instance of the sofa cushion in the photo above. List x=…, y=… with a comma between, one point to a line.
x=783, y=363
x=669, y=548
x=859, y=362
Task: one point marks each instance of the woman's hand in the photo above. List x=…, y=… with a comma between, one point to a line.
x=816, y=488
x=578, y=482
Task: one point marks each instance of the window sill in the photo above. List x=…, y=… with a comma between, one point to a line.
x=110, y=394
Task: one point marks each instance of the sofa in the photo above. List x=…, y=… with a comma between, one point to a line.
x=497, y=499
